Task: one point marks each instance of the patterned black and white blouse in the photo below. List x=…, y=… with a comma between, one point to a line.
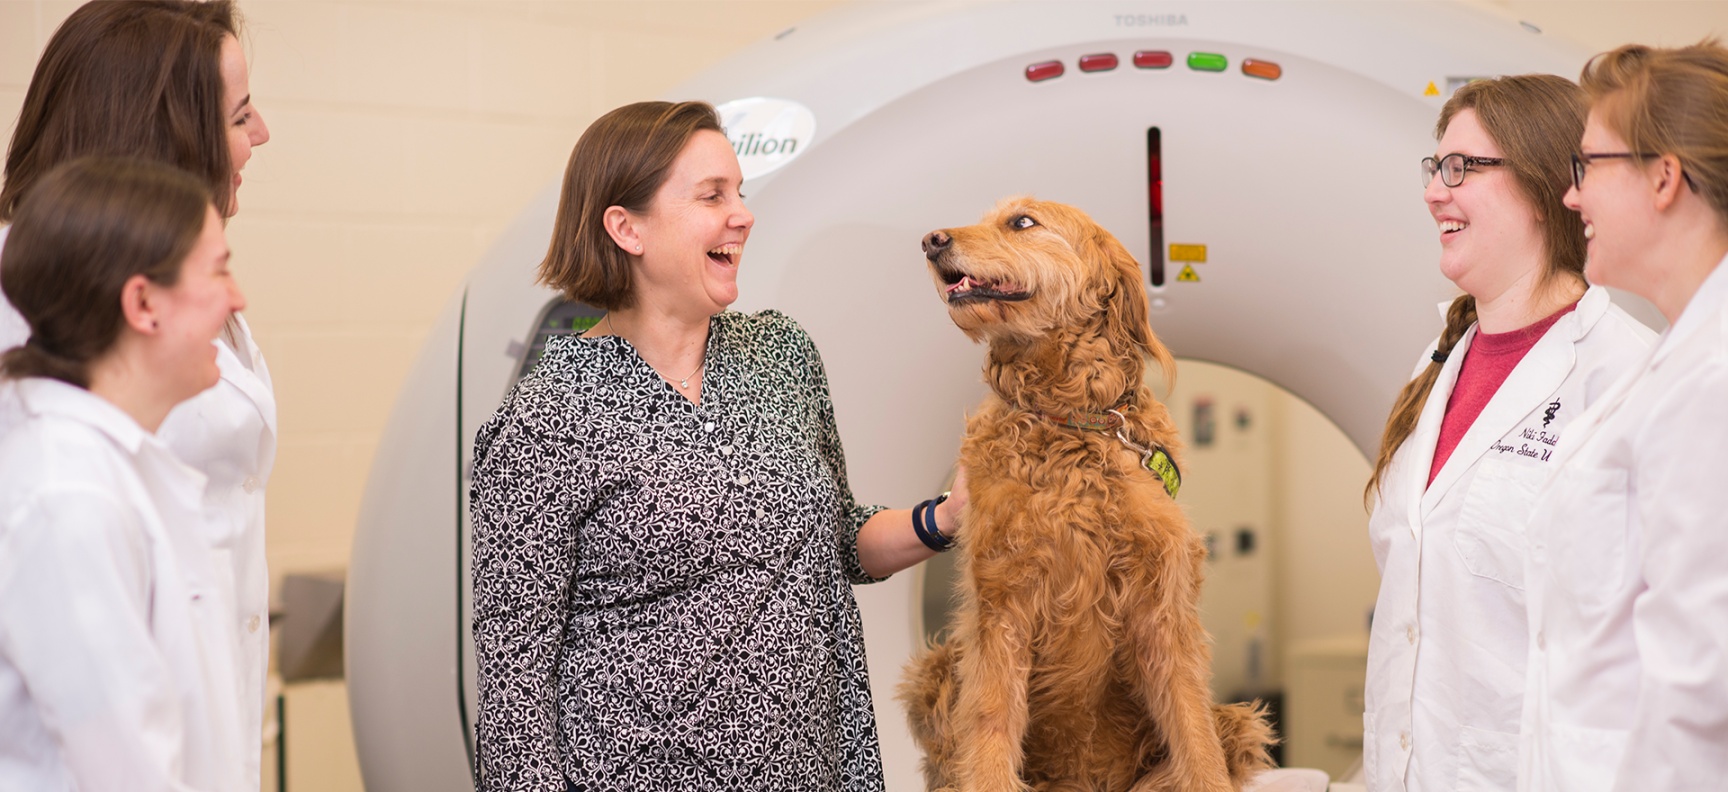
x=662, y=590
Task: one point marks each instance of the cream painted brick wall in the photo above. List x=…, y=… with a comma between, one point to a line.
x=17, y=45
x=404, y=137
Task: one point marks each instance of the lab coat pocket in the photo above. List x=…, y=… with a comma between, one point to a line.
x=1583, y=758
x=1490, y=536
x=1487, y=760
x=1588, y=544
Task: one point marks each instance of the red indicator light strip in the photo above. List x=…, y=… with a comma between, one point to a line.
x=1153, y=59
x=1265, y=70
x=1102, y=61
x=1039, y=72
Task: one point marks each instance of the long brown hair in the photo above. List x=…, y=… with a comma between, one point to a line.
x=1536, y=120
x=621, y=160
x=1672, y=101
x=137, y=78
x=87, y=228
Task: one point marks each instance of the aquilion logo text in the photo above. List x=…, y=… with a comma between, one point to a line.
x=756, y=143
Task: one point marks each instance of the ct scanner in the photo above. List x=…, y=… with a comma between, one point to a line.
x=1287, y=137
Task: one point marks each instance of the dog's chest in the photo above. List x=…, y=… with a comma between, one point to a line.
x=1047, y=456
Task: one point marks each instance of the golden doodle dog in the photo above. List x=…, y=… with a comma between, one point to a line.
x=1076, y=660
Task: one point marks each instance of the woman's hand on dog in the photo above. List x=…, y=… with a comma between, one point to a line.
x=948, y=511
x=887, y=542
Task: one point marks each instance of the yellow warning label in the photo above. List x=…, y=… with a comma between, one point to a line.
x=1195, y=253
x=1188, y=274
x=1433, y=90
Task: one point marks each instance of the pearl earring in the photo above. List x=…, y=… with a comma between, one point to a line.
x=638, y=248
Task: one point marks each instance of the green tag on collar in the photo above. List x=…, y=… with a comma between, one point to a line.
x=1159, y=462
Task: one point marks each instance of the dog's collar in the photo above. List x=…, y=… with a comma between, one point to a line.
x=1155, y=459
x=1106, y=422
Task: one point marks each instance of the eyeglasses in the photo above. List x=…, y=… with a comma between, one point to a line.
x=1452, y=168
x=1581, y=160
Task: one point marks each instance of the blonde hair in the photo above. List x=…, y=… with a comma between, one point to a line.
x=1669, y=101
x=1536, y=120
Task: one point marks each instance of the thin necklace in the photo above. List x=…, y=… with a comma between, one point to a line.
x=683, y=384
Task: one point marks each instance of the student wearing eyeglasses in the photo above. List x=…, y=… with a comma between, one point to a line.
x=1526, y=348
x=1628, y=572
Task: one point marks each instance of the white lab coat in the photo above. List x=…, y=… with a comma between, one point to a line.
x=115, y=659
x=1628, y=565
x=1447, y=649
x=227, y=433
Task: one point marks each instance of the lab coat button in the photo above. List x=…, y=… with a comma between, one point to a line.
x=1404, y=740
x=250, y=484
x=252, y=624
x=1410, y=632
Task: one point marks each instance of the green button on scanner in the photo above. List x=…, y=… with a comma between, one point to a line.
x=1207, y=61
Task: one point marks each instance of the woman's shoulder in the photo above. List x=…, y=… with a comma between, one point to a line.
x=66, y=484
x=53, y=453
x=1427, y=356
x=570, y=374
x=574, y=365
x=766, y=325
x=768, y=337
x=1616, y=334
x=766, y=331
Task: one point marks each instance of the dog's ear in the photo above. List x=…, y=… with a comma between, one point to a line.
x=1128, y=316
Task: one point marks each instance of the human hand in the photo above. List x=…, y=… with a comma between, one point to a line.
x=948, y=512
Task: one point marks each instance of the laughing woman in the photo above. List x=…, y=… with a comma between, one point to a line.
x=166, y=81
x=1628, y=679
x=664, y=538
x=1527, y=347
x=115, y=669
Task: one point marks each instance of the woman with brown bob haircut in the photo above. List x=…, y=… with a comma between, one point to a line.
x=664, y=538
x=116, y=670
x=167, y=81
x=1628, y=677
x=1526, y=348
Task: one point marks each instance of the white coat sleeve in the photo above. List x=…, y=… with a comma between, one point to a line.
x=1679, y=737
x=75, y=595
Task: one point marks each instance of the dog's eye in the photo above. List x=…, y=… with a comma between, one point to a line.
x=1022, y=222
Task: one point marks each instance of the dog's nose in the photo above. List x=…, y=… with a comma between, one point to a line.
x=934, y=243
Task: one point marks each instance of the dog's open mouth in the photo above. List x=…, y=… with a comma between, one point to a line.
x=963, y=287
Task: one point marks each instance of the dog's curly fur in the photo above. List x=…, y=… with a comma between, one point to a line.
x=1076, y=660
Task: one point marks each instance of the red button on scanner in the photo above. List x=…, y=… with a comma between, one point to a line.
x=1103, y=61
x=1039, y=72
x=1153, y=59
